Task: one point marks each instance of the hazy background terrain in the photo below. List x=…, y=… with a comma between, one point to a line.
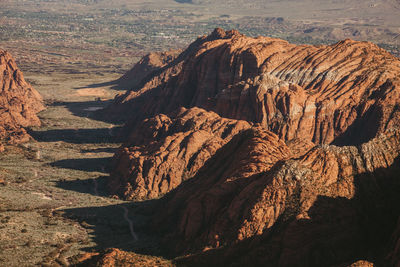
x=108, y=36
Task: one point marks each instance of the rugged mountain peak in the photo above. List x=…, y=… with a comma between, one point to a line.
x=166, y=150
x=325, y=94
x=19, y=102
x=267, y=152
x=219, y=33
x=355, y=185
x=150, y=63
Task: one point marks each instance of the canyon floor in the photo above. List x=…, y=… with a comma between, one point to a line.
x=53, y=203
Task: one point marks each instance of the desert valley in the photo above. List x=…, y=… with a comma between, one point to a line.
x=199, y=133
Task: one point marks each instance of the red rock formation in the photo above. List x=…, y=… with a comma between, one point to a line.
x=263, y=192
x=150, y=63
x=333, y=205
x=19, y=102
x=165, y=151
x=217, y=208
x=116, y=257
x=360, y=263
x=319, y=93
x=346, y=93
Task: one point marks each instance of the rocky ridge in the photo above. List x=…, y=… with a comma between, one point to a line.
x=165, y=151
x=296, y=91
x=214, y=210
x=270, y=152
x=150, y=63
x=344, y=94
x=19, y=102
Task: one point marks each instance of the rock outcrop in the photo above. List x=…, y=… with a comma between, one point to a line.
x=19, y=102
x=332, y=205
x=269, y=153
x=344, y=93
x=149, y=64
x=115, y=257
x=166, y=150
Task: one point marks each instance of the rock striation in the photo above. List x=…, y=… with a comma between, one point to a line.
x=19, y=102
x=323, y=94
x=343, y=94
x=166, y=150
x=332, y=205
x=267, y=151
x=149, y=64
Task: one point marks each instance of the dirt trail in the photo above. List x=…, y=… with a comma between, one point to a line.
x=54, y=195
x=126, y=212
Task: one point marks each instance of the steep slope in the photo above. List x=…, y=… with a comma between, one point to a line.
x=334, y=204
x=292, y=152
x=19, y=102
x=165, y=151
x=150, y=63
x=321, y=93
x=344, y=94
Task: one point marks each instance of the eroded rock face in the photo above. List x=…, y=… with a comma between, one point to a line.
x=115, y=257
x=345, y=93
x=150, y=63
x=332, y=205
x=19, y=102
x=292, y=152
x=166, y=150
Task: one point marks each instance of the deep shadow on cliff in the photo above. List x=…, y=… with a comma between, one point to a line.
x=339, y=230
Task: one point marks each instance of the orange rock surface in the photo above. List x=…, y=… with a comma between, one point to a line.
x=292, y=152
x=19, y=102
x=116, y=257
x=165, y=151
x=321, y=93
x=222, y=205
x=149, y=64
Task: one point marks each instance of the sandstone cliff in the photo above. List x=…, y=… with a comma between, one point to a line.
x=165, y=151
x=292, y=152
x=321, y=93
x=149, y=64
x=344, y=94
x=334, y=204
x=19, y=102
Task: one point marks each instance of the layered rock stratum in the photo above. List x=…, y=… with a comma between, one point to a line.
x=344, y=94
x=330, y=206
x=268, y=152
x=321, y=93
x=19, y=102
x=165, y=151
x=149, y=64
